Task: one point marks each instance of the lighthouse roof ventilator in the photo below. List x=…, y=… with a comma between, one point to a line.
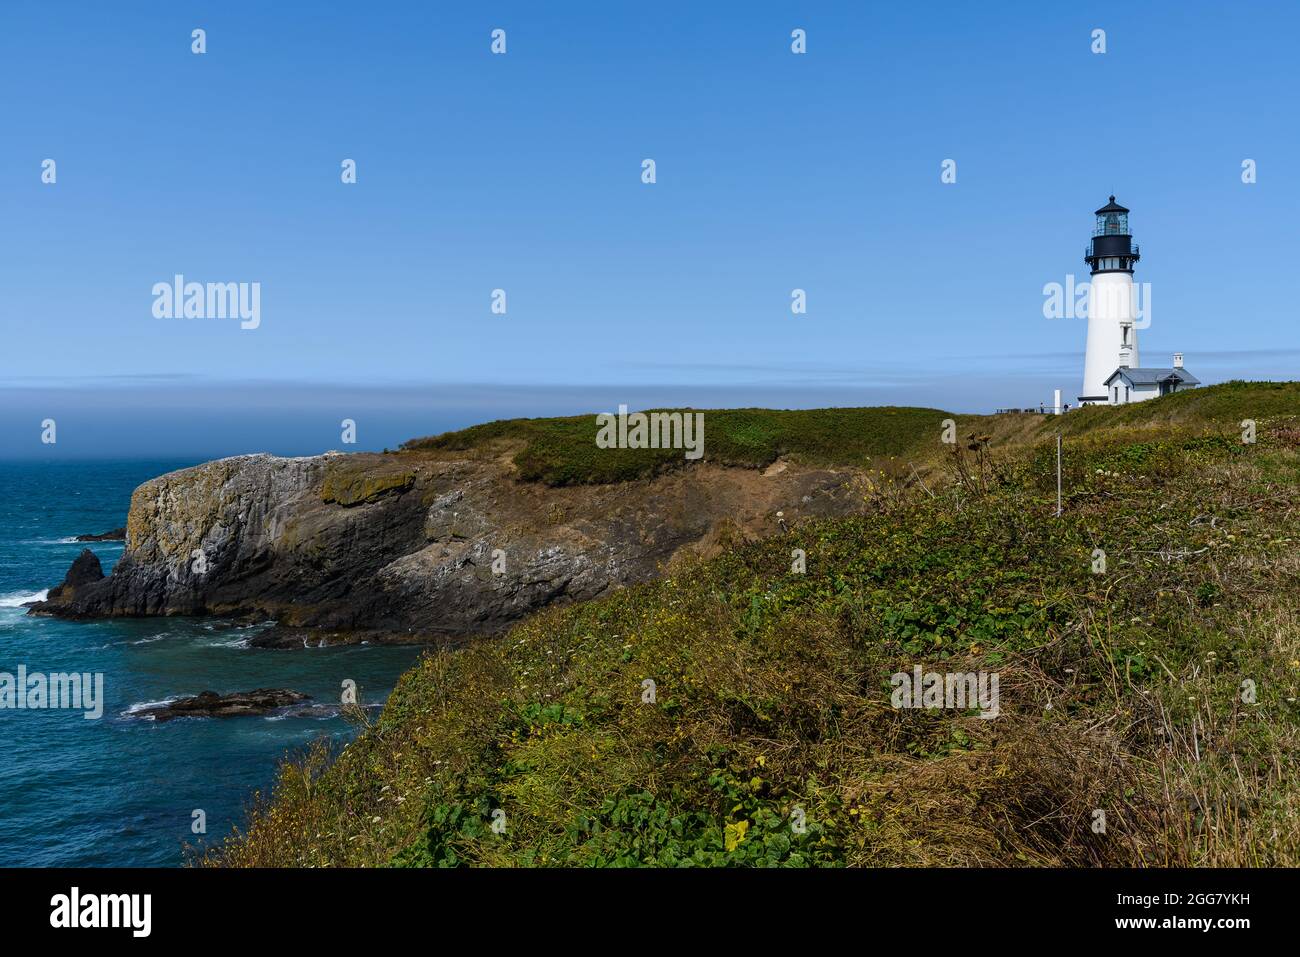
x=1112, y=374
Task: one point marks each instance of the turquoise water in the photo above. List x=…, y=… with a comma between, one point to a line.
x=120, y=790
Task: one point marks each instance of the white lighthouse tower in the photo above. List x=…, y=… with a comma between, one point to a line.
x=1112, y=336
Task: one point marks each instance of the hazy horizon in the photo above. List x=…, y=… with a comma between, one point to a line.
x=199, y=419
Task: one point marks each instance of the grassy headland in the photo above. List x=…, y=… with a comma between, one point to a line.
x=562, y=451
x=1161, y=692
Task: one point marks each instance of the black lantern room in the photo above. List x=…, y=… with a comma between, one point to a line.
x=1111, y=249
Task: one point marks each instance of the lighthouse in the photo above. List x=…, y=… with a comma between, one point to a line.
x=1112, y=336
x=1112, y=374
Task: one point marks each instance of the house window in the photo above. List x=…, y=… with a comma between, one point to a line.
x=1125, y=393
x=1116, y=393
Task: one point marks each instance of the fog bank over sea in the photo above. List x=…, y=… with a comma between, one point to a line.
x=200, y=418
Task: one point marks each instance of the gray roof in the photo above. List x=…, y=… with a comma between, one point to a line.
x=1154, y=376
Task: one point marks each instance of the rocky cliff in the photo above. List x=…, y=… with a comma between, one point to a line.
x=417, y=547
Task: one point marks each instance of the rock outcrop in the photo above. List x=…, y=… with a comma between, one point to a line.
x=116, y=535
x=416, y=547
x=209, y=704
x=85, y=571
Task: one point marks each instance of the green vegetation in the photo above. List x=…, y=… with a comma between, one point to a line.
x=1162, y=691
x=564, y=451
x=1219, y=407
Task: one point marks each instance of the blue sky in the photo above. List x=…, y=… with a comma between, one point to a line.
x=522, y=172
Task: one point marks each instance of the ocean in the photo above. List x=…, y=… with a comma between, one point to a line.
x=121, y=790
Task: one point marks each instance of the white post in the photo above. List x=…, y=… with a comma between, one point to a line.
x=1058, y=475
x=1056, y=406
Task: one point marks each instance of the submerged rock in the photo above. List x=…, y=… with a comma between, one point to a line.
x=209, y=704
x=116, y=535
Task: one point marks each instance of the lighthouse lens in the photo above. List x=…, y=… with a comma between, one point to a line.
x=1112, y=224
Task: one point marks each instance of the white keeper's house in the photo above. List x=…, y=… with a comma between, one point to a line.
x=1112, y=374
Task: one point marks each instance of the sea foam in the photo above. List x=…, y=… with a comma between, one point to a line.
x=18, y=600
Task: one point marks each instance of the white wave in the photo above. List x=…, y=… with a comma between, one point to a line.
x=68, y=540
x=314, y=711
x=143, y=705
x=232, y=643
x=18, y=600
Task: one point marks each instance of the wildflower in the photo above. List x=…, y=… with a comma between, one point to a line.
x=735, y=834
